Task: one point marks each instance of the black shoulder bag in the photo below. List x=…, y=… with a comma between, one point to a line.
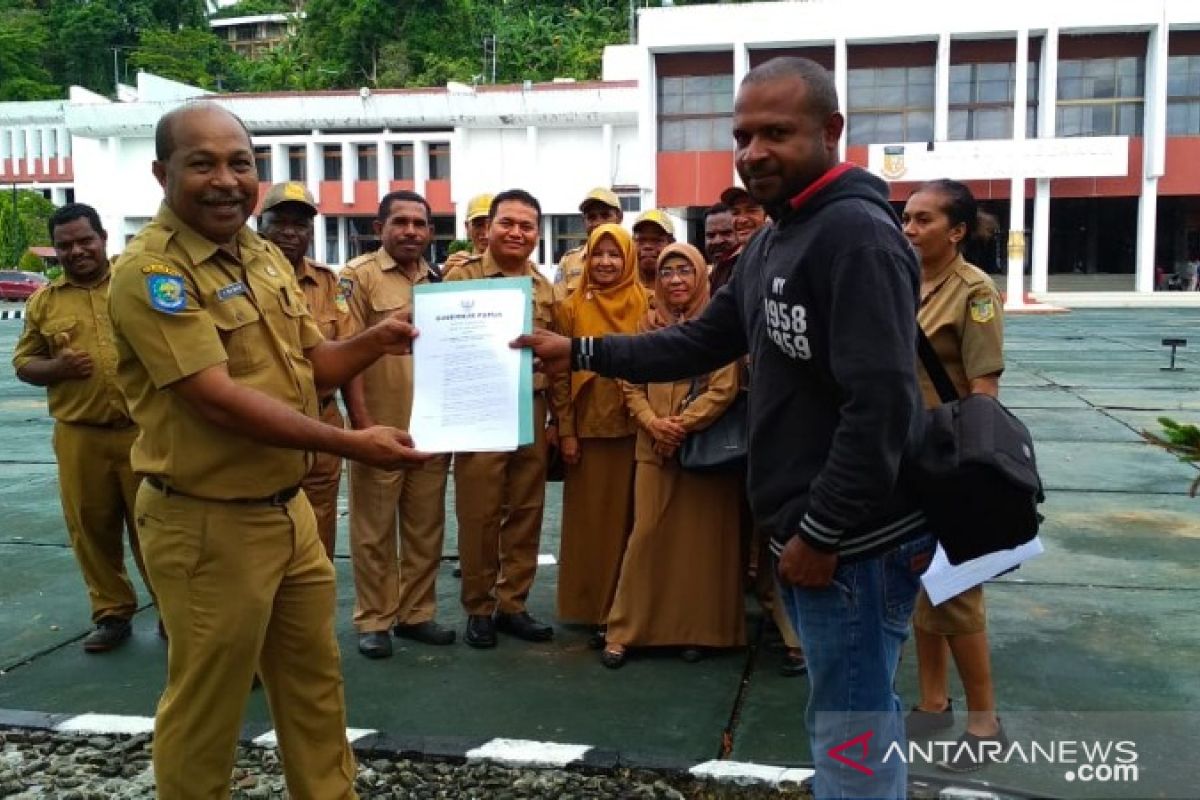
x=976, y=472
x=722, y=446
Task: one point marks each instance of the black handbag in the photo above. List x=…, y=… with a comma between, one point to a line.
x=976, y=472
x=722, y=446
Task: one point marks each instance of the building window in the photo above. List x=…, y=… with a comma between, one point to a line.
x=368, y=166
x=695, y=112
x=566, y=231
x=981, y=100
x=630, y=197
x=439, y=161
x=1100, y=96
x=402, y=162
x=890, y=104
x=331, y=240
x=443, y=235
x=262, y=160
x=297, y=163
x=331, y=156
x=1183, y=96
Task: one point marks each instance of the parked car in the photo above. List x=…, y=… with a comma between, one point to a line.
x=17, y=285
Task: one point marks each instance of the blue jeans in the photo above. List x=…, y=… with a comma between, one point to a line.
x=852, y=632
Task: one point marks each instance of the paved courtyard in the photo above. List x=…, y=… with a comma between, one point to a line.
x=1097, y=639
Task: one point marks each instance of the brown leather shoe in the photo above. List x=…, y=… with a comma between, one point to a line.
x=428, y=632
x=110, y=633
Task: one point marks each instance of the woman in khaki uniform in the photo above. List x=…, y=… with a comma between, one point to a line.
x=680, y=583
x=960, y=313
x=596, y=434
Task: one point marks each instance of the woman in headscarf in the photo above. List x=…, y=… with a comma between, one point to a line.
x=680, y=583
x=596, y=435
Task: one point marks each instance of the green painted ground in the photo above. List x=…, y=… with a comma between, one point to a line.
x=1100, y=636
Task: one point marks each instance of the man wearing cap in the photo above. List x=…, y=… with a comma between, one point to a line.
x=286, y=220
x=652, y=231
x=477, y=232
x=600, y=206
x=393, y=510
x=748, y=213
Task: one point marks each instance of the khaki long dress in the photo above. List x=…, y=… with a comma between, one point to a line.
x=680, y=582
x=597, y=500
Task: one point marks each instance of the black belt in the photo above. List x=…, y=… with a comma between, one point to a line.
x=280, y=498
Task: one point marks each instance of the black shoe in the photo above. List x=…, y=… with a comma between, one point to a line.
x=596, y=639
x=110, y=632
x=376, y=644
x=428, y=632
x=481, y=631
x=613, y=659
x=920, y=724
x=523, y=626
x=691, y=654
x=794, y=664
x=967, y=755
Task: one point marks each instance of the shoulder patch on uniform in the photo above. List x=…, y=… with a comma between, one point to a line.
x=983, y=309
x=159, y=269
x=345, y=288
x=166, y=292
x=339, y=301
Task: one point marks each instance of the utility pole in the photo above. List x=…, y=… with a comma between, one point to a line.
x=489, y=57
x=116, y=71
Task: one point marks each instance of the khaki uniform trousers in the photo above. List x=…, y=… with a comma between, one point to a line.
x=97, y=488
x=500, y=498
x=391, y=588
x=244, y=587
x=322, y=482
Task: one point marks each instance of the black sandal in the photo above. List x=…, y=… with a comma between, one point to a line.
x=613, y=659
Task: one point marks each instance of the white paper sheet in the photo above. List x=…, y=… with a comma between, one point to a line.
x=467, y=381
x=943, y=580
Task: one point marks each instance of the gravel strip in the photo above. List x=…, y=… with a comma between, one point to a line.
x=40, y=764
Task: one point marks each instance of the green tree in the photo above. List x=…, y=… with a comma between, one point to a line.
x=23, y=39
x=190, y=55
x=347, y=37
x=24, y=215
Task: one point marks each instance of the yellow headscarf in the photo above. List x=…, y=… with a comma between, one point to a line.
x=600, y=310
x=662, y=315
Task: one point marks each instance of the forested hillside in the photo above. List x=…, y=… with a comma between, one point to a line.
x=47, y=45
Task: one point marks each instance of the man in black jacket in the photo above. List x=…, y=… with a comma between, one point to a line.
x=825, y=304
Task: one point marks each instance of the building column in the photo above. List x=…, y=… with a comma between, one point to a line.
x=64, y=149
x=741, y=65
x=1154, y=156
x=280, y=166
x=5, y=150
x=606, y=147
x=349, y=172
x=648, y=130
x=47, y=136
x=383, y=165
x=841, y=81
x=1016, y=202
x=1046, y=121
x=320, y=251
x=420, y=150
x=343, y=240
x=31, y=143
x=941, y=93
x=312, y=166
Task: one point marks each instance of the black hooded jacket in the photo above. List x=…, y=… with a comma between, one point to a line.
x=825, y=303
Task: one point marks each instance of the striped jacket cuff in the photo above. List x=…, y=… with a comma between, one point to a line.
x=819, y=534
x=583, y=354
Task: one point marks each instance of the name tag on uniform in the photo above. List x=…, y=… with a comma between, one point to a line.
x=232, y=290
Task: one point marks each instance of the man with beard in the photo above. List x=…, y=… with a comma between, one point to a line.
x=221, y=365
x=652, y=232
x=393, y=511
x=720, y=245
x=67, y=346
x=828, y=317
x=286, y=220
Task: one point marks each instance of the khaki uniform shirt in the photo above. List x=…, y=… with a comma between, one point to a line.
x=483, y=266
x=599, y=409
x=963, y=318
x=67, y=315
x=180, y=305
x=325, y=303
x=570, y=272
x=374, y=286
x=657, y=400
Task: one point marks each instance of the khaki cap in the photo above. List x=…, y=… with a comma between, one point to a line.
x=601, y=195
x=656, y=217
x=479, y=206
x=290, y=192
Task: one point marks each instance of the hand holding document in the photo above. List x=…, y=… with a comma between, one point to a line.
x=471, y=391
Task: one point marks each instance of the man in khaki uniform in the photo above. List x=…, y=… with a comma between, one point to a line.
x=652, y=232
x=477, y=232
x=67, y=346
x=500, y=497
x=393, y=595
x=286, y=220
x=221, y=363
x=598, y=207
